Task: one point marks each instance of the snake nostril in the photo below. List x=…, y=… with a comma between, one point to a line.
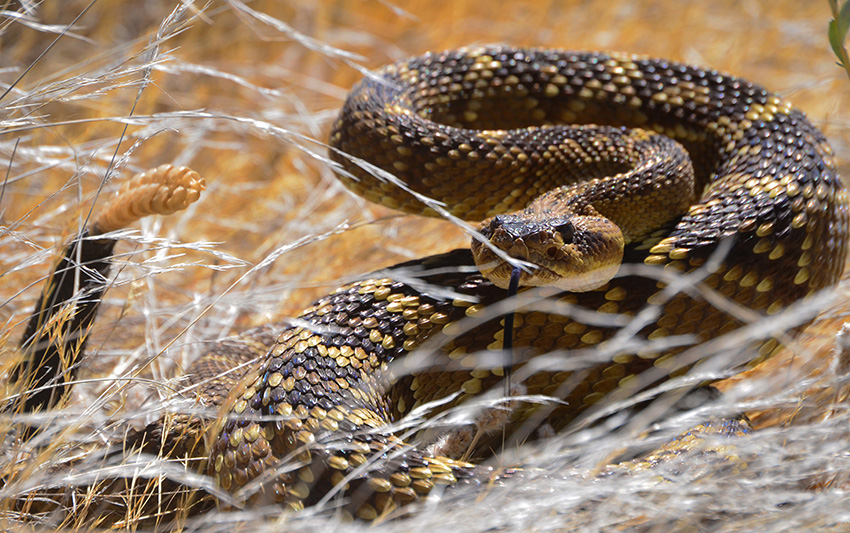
x=552, y=252
x=490, y=229
x=487, y=230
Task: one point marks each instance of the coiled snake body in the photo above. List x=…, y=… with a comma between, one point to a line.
x=758, y=222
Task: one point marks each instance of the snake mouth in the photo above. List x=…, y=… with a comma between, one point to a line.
x=499, y=272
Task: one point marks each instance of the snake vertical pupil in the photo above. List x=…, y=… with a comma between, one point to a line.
x=567, y=231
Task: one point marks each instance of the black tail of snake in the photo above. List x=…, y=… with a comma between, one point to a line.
x=686, y=204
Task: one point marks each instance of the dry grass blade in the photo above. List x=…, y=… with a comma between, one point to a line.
x=244, y=92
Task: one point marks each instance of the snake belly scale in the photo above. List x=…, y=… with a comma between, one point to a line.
x=480, y=131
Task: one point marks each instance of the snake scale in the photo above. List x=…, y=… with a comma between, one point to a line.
x=738, y=193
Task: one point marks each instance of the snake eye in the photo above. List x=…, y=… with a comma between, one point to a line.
x=567, y=231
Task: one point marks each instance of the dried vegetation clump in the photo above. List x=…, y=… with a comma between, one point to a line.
x=244, y=92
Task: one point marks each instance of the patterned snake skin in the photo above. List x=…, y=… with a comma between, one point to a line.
x=764, y=224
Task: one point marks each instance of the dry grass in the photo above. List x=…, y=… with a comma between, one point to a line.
x=244, y=93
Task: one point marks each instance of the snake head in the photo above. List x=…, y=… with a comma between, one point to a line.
x=575, y=251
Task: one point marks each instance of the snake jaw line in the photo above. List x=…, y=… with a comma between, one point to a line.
x=543, y=277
